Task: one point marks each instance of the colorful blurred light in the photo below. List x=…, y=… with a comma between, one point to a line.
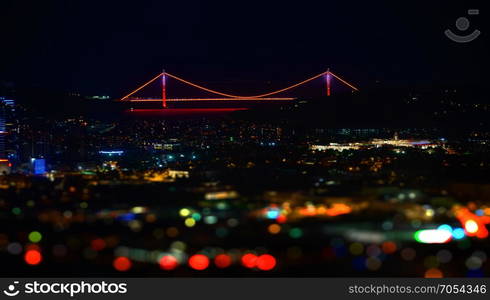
x=168, y=262
x=35, y=237
x=445, y=227
x=33, y=257
x=190, y=222
x=389, y=247
x=249, y=260
x=199, y=262
x=458, y=233
x=122, y=264
x=266, y=262
x=433, y=236
x=473, y=224
x=274, y=228
x=433, y=273
x=222, y=261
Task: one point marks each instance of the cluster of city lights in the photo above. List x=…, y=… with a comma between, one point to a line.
x=171, y=260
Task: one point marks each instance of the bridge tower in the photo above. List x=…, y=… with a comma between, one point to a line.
x=164, y=90
x=328, y=79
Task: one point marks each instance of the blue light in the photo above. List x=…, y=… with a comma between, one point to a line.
x=272, y=213
x=458, y=233
x=445, y=227
x=39, y=166
x=126, y=217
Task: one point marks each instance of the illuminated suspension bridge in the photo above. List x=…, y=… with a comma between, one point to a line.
x=269, y=96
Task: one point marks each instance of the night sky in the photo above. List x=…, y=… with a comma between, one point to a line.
x=110, y=47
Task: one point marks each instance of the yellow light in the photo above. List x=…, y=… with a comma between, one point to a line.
x=429, y=213
x=138, y=209
x=471, y=226
x=190, y=222
x=184, y=212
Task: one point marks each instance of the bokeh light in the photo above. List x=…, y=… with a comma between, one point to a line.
x=168, y=262
x=199, y=262
x=266, y=262
x=33, y=257
x=249, y=260
x=122, y=264
x=222, y=261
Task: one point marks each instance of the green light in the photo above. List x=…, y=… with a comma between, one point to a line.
x=416, y=236
x=295, y=233
x=196, y=216
x=16, y=211
x=35, y=237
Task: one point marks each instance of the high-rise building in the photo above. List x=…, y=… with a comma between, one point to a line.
x=4, y=162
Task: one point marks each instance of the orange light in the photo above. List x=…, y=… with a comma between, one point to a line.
x=274, y=228
x=222, y=261
x=168, y=262
x=199, y=262
x=249, y=260
x=122, y=264
x=236, y=96
x=473, y=225
x=266, y=262
x=338, y=209
x=343, y=81
x=33, y=257
x=147, y=83
x=433, y=273
x=389, y=247
x=261, y=96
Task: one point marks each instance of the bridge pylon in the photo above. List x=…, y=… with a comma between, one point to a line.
x=164, y=90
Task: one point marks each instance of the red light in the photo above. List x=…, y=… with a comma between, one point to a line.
x=281, y=219
x=122, y=264
x=168, y=262
x=222, y=261
x=98, y=244
x=33, y=257
x=266, y=262
x=249, y=260
x=199, y=262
